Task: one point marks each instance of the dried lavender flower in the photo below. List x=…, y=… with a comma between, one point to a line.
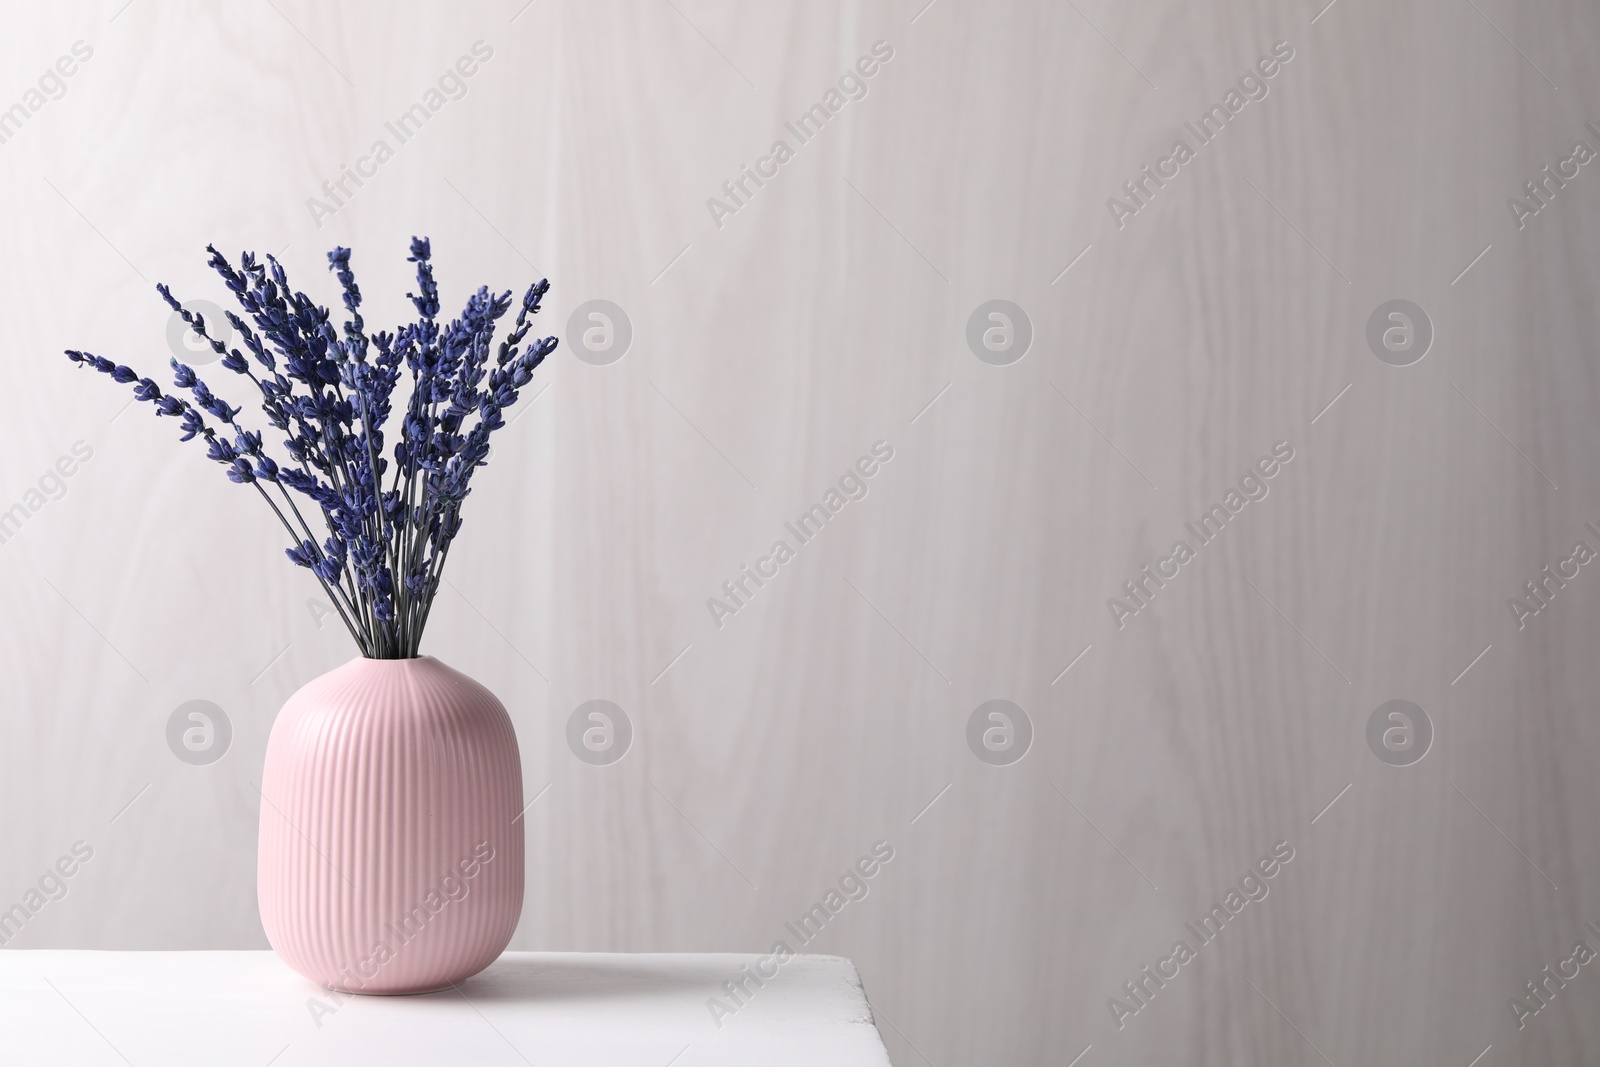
x=381, y=552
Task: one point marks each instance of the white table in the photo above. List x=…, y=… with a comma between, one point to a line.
x=246, y=1009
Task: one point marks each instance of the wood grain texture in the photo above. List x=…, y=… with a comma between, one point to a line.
x=769, y=354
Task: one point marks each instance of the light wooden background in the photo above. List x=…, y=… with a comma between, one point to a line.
x=769, y=355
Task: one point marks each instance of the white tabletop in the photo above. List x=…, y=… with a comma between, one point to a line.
x=246, y=1009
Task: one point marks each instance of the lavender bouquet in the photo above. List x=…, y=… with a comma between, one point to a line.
x=383, y=550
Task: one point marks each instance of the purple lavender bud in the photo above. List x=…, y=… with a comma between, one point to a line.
x=298, y=481
x=172, y=301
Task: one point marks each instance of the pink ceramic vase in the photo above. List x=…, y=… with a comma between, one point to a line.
x=391, y=838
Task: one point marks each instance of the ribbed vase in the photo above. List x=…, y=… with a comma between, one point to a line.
x=391, y=848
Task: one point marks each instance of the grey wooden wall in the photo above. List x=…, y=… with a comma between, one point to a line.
x=1173, y=342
